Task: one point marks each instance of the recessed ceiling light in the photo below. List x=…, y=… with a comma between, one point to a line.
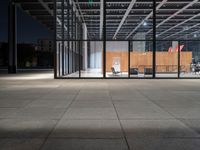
x=144, y=23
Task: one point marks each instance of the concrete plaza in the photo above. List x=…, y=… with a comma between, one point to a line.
x=40, y=113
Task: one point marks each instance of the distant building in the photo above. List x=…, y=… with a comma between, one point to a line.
x=45, y=45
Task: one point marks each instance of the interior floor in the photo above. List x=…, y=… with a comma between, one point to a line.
x=97, y=73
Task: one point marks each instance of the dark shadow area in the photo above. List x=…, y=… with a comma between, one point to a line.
x=34, y=42
x=92, y=138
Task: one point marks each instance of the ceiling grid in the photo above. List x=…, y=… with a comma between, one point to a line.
x=125, y=18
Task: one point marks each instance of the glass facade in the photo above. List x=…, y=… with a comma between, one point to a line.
x=141, y=56
x=127, y=39
x=117, y=59
x=167, y=59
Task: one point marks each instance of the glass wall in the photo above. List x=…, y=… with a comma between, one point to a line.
x=117, y=59
x=190, y=59
x=92, y=59
x=167, y=59
x=109, y=39
x=177, y=32
x=69, y=32
x=141, y=59
x=58, y=39
x=72, y=59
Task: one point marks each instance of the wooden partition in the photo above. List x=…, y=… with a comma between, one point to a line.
x=141, y=60
x=165, y=61
x=123, y=60
x=185, y=61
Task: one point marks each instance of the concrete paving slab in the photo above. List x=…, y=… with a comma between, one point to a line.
x=39, y=113
x=88, y=129
x=164, y=144
x=92, y=104
x=85, y=144
x=90, y=113
x=140, y=110
x=154, y=114
x=26, y=128
x=50, y=103
x=157, y=128
x=20, y=144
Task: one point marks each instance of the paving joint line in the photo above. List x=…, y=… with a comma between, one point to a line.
x=45, y=140
x=121, y=126
x=175, y=118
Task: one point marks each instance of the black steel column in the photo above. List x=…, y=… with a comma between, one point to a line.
x=179, y=59
x=55, y=40
x=12, y=37
x=63, y=37
x=59, y=64
x=75, y=46
x=154, y=39
x=104, y=38
x=81, y=47
x=79, y=51
x=129, y=51
x=68, y=35
x=72, y=48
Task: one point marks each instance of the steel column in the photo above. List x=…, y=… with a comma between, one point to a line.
x=63, y=36
x=179, y=59
x=68, y=35
x=129, y=51
x=104, y=38
x=55, y=40
x=12, y=37
x=72, y=37
x=154, y=39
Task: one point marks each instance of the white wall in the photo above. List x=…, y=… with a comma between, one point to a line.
x=85, y=59
x=139, y=46
x=117, y=46
x=96, y=52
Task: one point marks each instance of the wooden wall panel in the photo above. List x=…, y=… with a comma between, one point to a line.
x=123, y=60
x=165, y=61
x=186, y=60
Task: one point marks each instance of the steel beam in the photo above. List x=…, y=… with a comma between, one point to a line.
x=146, y=18
x=196, y=25
x=124, y=17
x=197, y=15
x=175, y=14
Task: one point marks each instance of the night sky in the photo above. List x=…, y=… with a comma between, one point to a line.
x=29, y=30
